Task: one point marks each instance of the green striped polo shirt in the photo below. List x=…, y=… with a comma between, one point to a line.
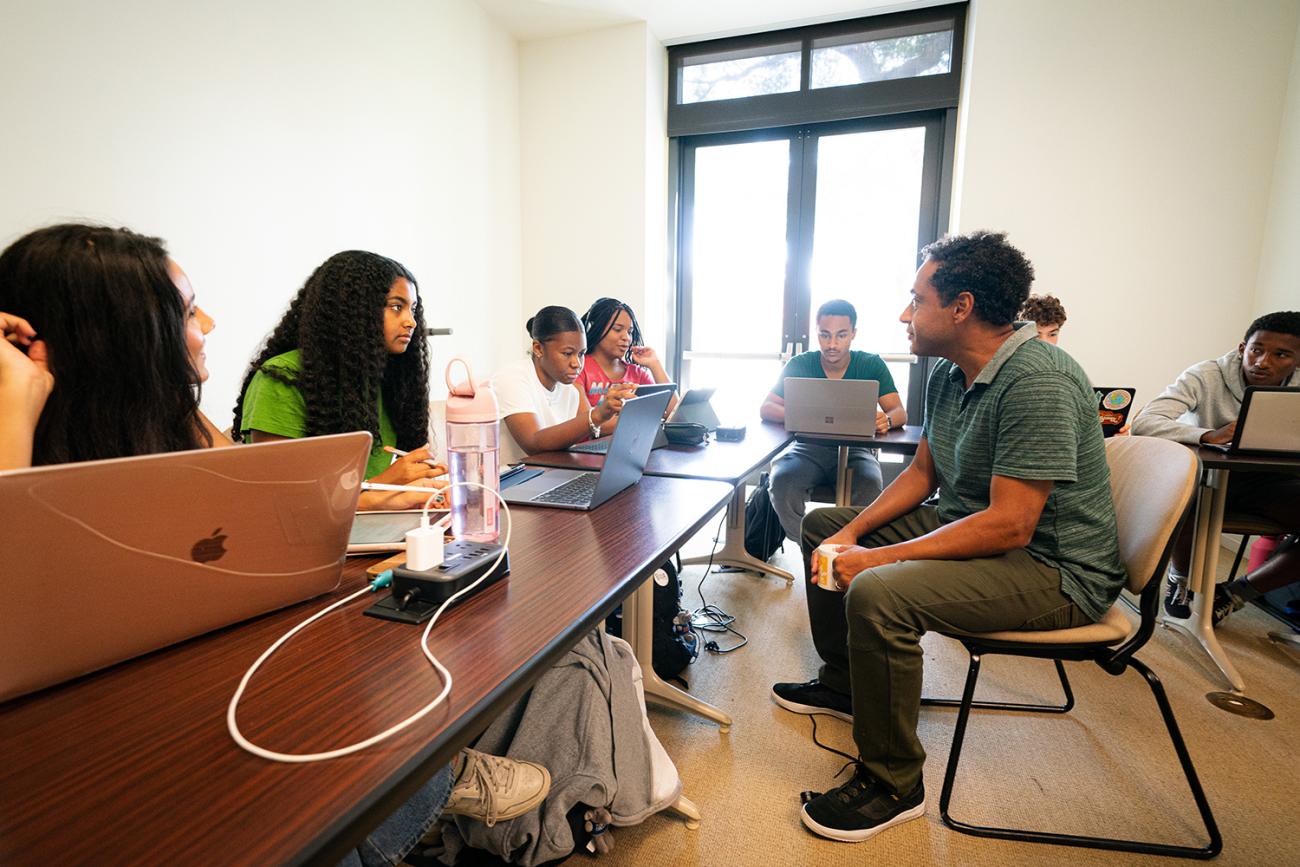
x=1031, y=414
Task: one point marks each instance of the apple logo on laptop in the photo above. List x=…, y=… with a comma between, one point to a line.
x=209, y=549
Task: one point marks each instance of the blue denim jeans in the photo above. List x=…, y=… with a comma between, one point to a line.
x=398, y=834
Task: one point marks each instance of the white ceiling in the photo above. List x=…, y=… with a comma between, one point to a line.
x=674, y=21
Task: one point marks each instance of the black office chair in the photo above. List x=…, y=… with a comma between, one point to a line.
x=1152, y=480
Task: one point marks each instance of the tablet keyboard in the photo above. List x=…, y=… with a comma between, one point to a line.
x=575, y=492
x=592, y=447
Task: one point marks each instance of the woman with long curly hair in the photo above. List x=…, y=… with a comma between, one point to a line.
x=349, y=355
x=102, y=350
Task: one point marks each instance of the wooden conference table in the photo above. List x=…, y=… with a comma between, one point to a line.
x=133, y=765
x=1215, y=469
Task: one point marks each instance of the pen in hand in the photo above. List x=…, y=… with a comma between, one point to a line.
x=401, y=454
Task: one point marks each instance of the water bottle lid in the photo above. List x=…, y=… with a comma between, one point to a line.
x=468, y=403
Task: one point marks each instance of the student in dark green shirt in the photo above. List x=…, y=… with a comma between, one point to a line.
x=1023, y=535
x=804, y=466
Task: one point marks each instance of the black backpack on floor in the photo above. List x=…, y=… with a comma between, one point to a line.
x=674, y=643
x=763, y=532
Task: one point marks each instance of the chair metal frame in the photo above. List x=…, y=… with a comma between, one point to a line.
x=1113, y=660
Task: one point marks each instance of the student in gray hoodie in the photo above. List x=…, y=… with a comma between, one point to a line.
x=1202, y=407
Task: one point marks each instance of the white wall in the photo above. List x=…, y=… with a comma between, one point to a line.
x=1129, y=149
x=259, y=138
x=593, y=165
x=1279, y=266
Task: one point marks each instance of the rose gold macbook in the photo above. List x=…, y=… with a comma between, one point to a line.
x=107, y=560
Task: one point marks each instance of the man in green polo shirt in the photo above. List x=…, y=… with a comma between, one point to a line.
x=804, y=466
x=1022, y=537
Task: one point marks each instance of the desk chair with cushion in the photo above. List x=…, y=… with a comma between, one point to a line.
x=1151, y=480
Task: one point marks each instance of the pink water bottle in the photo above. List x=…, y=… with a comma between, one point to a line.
x=472, y=456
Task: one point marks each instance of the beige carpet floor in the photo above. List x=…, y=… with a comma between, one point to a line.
x=1106, y=768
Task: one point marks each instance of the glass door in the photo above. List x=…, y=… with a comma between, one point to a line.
x=732, y=321
x=777, y=222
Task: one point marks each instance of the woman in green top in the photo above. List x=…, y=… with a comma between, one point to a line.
x=349, y=355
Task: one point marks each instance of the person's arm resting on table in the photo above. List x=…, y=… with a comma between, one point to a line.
x=773, y=408
x=526, y=427
x=1160, y=417
x=891, y=414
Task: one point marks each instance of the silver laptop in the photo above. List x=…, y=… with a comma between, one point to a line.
x=831, y=406
x=111, y=559
x=1269, y=422
x=602, y=445
x=629, y=449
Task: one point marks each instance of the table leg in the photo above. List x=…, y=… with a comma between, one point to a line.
x=1290, y=638
x=1205, y=561
x=843, y=479
x=686, y=808
x=732, y=552
x=638, y=629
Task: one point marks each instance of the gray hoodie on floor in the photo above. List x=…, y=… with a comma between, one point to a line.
x=583, y=721
x=1206, y=397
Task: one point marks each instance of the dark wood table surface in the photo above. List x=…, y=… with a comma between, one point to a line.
x=725, y=461
x=1213, y=459
x=134, y=765
x=903, y=440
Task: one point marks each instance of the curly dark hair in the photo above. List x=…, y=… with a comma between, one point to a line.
x=114, y=324
x=996, y=274
x=1043, y=310
x=1281, y=322
x=599, y=319
x=337, y=321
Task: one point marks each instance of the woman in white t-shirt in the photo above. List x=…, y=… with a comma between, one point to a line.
x=542, y=408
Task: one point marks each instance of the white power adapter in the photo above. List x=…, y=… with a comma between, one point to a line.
x=424, y=548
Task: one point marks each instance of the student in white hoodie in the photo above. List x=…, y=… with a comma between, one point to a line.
x=1202, y=407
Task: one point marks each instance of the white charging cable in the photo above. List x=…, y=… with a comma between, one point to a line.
x=233, y=725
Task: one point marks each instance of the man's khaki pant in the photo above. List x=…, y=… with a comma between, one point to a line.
x=869, y=637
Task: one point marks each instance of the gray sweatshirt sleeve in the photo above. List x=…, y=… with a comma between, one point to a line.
x=1159, y=418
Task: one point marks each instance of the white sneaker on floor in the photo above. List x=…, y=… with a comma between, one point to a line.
x=494, y=789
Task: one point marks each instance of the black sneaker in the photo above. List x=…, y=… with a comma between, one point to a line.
x=1178, y=599
x=861, y=808
x=813, y=697
x=1225, y=602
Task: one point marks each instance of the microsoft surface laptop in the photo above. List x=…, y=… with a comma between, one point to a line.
x=696, y=407
x=628, y=451
x=1269, y=422
x=106, y=560
x=831, y=406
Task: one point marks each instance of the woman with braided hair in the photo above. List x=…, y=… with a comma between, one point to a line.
x=616, y=352
x=349, y=355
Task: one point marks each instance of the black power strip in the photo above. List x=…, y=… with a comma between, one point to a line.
x=416, y=595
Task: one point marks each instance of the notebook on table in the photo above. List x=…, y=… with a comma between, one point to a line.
x=831, y=406
x=628, y=452
x=122, y=557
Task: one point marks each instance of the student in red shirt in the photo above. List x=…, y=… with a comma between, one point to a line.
x=616, y=352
